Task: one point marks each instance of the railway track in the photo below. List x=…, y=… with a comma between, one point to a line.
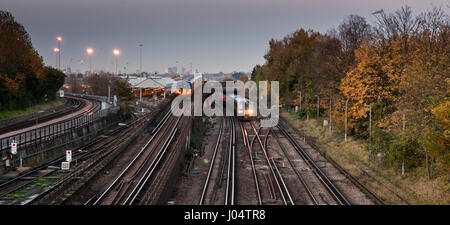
x=77, y=105
x=27, y=136
x=274, y=183
x=128, y=188
x=72, y=104
x=354, y=180
x=217, y=169
x=300, y=177
x=213, y=162
x=231, y=168
x=80, y=155
x=332, y=189
x=88, y=162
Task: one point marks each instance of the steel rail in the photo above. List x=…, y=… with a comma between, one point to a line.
x=328, y=184
x=268, y=162
x=286, y=190
x=230, y=189
x=302, y=180
x=250, y=155
x=205, y=186
x=129, y=165
x=131, y=199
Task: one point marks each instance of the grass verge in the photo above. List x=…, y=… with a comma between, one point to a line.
x=13, y=113
x=414, y=187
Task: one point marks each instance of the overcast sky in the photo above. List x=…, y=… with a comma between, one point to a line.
x=215, y=35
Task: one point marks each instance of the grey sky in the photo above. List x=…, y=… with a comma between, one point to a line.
x=215, y=35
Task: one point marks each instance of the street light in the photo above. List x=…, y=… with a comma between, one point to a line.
x=59, y=40
x=89, y=51
x=331, y=102
x=300, y=101
x=116, y=52
x=140, y=58
x=318, y=105
x=346, y=103
x=404, y=126
x=370, y=124
x=56, y=50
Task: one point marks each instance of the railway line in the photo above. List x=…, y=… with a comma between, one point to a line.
x=72, y=104
x=28, y=137
x=274, y=185
x=84, y=159
x=144, y=177
x=129, y=186
x=285, y=173
x=220, y=166
x=288, y=129
x=326, y=182
x=80, y=107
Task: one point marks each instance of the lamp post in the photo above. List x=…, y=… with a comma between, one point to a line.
x=116, y=52
x=318, y=104
x=56, y=50
x=59, y=40
x=331, y=102
x=109, y=91
x=140, y=58
x=370, y=124
x=404, y=126
x=89, y=51
x=346, y=102
x=300, y=101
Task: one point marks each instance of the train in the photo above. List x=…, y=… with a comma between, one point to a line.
x=244, y=109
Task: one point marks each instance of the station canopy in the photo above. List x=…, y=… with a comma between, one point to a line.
x=152, y=82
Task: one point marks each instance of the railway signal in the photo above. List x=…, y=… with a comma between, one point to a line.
x=14, y=148
x=69, y=156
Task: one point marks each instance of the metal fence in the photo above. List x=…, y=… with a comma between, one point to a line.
x=51, y=131
x=96, y=97
x=5, y=122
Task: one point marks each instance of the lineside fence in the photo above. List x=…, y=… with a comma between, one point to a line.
x=95, y=97
x=36, y=141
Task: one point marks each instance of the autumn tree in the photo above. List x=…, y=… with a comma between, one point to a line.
x=122, y=89
x=352, y=32
x=24, y=81
x=98, y=83
x=437, y=134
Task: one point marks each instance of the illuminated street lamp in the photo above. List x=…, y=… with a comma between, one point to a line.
x=90, y=51
x=116, y=52
x=59, y=40
x=56, y=50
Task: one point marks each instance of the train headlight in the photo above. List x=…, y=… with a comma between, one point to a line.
x=250, y=111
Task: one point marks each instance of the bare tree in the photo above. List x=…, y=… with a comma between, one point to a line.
x=352, y=31
x=398, y=25
x=433, y=21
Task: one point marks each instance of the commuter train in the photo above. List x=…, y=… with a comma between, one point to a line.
x=243, y=107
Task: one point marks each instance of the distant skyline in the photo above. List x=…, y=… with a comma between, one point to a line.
x=216, y=36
